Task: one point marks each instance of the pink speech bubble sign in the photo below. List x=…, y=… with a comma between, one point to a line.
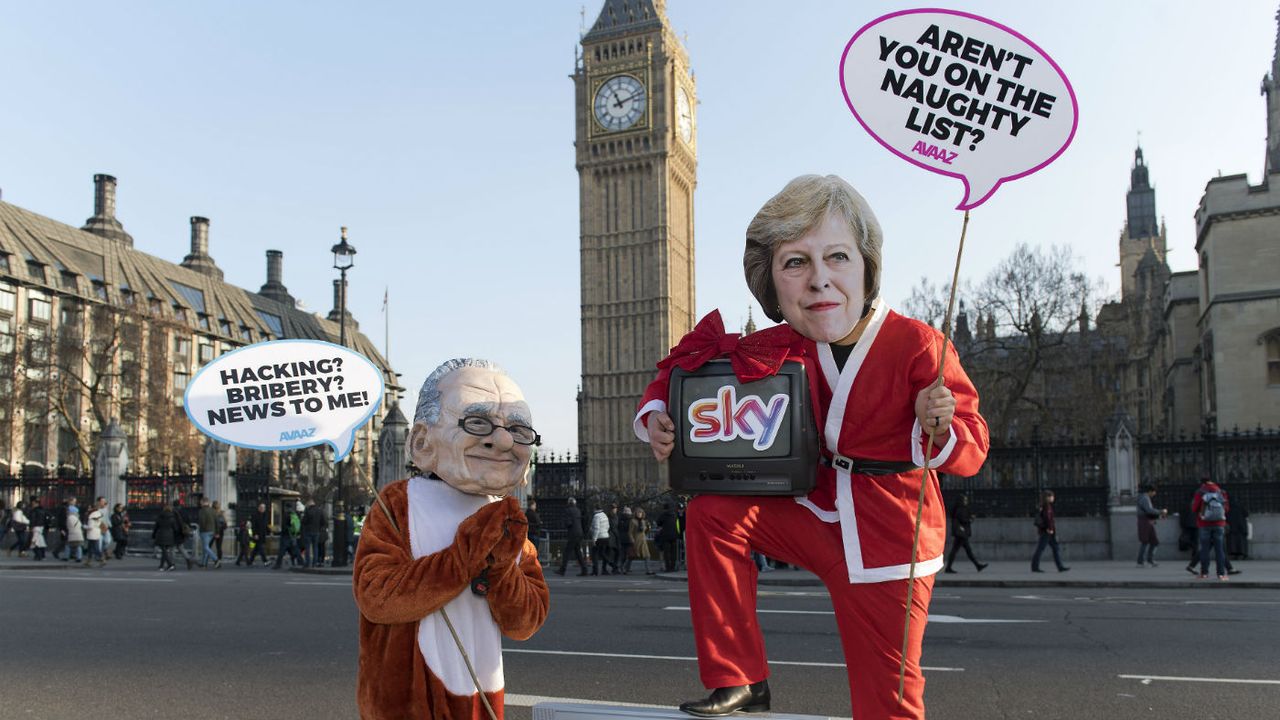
x=959, y=95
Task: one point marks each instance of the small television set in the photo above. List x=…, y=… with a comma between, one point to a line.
x=736, y=438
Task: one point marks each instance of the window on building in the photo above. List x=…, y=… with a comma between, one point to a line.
x=35, y=271
x=204, y=321
x=100, y=292
x=1273, y=358
x=38, y=307
x=206, y=352
x=4, y=262
x=180, y=313
x=181, y=346
x=225, y=327
x=69, y=281
x=246, y=334
x=157, y=307
x=6, y=337
x=180, y=380
x=8, y=299
x=37, y=346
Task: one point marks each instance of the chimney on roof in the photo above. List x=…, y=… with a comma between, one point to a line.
x=104, y=222
x=199, y=259
x=275, y=288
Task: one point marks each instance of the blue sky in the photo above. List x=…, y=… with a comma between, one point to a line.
x=442, y=135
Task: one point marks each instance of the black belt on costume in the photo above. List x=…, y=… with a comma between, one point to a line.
x=862, y=466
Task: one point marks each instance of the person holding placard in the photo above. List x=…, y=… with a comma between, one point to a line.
x=812, y=260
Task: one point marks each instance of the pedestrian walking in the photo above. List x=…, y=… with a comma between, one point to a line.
x=120, y=525
x=219, y=529
x=534, y=532
x=259, y=527
x=573, y=539
x=39, y=520
x=94, y=527
x=185, y=533
x=18, y=524
x=290, y=531
x=1048, y=530
x=166, y=534
x=668, y=535
x=624, y=539
x=312, y=526
x=961, y=531
x=1210, y=506
x=243, y=543
x=75, y=534
x=600, y=542
x=640, y=540
x=59, y=527
x=207, y=520
x=1147, y=513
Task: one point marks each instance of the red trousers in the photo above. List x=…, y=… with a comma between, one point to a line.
x=723, y=530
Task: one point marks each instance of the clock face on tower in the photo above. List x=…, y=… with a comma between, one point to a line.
x=684, y=115
x=619, y=102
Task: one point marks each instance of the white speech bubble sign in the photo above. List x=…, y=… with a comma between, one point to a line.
x=285, y=394
x=959, y=95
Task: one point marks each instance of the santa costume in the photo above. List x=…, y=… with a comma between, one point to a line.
x=854, y=530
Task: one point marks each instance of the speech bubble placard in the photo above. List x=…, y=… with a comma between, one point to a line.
x=959, y=95
x=285, y=394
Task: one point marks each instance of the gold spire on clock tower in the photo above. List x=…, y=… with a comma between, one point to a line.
x=636, y=154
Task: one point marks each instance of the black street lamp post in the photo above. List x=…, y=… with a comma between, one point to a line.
x=344, y=258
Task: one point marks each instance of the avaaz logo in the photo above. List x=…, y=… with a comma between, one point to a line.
x=724, y=418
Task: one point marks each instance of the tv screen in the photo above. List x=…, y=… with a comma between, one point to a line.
x=737, y=438
x=729, y=419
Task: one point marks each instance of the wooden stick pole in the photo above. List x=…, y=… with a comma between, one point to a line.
x=928, y=457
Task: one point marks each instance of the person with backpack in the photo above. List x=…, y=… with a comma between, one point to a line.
x=1210, y=507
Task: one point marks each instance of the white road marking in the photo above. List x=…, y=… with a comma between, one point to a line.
x=7, y=576
x=318, y=582
x=692, y=659
x=933, y=618
x=518, y=700
x=1146, y=679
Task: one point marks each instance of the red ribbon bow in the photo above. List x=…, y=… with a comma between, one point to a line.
x=753, y=357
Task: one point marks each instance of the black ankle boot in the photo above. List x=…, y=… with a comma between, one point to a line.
x=727, y=700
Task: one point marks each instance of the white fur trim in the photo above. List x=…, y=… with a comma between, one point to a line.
x=826, y=516
x=435, y=511
x=642, y=430
x=841, y=389
x=917, y=452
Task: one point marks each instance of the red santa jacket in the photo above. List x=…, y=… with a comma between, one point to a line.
x=867, y=412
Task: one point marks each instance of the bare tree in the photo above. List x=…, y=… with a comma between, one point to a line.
x=1032, y=360
x=86, y=373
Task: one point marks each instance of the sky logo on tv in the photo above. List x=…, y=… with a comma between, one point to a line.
x=724, y=418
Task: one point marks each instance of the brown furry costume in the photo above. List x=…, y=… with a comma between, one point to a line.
x=395, y=591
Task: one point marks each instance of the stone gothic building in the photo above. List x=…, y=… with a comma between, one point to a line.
x=93, y=330
x=636, y=155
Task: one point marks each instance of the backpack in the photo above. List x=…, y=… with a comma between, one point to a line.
x=1212, y=508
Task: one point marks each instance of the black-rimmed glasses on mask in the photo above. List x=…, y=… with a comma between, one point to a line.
x=483, y=426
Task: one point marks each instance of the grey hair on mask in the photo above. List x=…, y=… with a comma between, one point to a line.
x=428, y=411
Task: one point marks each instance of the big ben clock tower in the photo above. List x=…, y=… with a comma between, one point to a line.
x=636, y=154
